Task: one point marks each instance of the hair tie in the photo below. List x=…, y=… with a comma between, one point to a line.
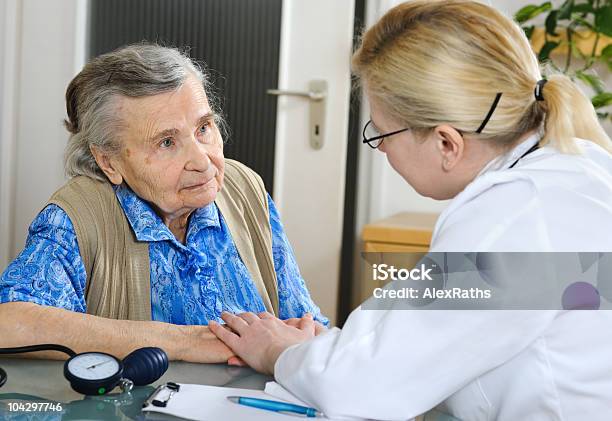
x=537, y=92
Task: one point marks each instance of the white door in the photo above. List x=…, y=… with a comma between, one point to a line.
x=316, y=44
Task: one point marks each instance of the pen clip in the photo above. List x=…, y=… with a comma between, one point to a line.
x=152, y=399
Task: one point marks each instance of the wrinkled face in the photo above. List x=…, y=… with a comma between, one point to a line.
x=172, y=151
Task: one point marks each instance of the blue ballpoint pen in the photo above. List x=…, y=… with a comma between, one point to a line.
x=276, y=406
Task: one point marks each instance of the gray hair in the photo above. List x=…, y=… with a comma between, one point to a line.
x=134, y=71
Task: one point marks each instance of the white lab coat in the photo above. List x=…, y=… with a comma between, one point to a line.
x=482, y=365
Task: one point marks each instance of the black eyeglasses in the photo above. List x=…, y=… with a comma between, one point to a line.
x=373, y=138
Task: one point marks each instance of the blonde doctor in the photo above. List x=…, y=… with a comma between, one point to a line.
x=462, y=111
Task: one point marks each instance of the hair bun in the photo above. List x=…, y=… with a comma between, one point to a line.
x=72, y=123
x=70, y=126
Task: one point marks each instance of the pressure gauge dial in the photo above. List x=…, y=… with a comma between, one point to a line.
x=93, y=373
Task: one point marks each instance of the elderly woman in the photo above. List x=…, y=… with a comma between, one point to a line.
x=156, y=233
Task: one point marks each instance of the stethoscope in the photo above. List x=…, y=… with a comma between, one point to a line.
x=97, y=373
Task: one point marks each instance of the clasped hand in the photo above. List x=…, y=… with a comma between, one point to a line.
x=259, y=339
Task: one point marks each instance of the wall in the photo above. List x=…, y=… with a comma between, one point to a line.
x=49, y=42
x=3, y=6
x=10, y=19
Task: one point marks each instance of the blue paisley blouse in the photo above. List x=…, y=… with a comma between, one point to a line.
x=191, y=283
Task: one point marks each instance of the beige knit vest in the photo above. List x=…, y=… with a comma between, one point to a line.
x=117, y=265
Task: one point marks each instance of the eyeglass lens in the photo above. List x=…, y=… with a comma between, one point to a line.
x=371, y=132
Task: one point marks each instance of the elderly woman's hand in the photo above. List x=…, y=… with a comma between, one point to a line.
x=202, y=346
x=259, y=340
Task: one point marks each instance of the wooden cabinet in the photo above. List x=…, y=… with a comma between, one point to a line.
x=399, y=240
x=407, y=231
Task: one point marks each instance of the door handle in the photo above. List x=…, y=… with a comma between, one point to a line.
x=313, y=95
x=317, y=95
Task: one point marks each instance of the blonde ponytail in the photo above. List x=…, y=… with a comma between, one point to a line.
x=570, y=115
x=444, y=62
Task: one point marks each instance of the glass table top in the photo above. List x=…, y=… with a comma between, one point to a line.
x=42, y=381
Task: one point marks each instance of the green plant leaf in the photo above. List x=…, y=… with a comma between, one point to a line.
x=531, y=11
x=528, y=31
x=565, y=11
x=546, y=49
x=602, y=100
x=551, y=23
x=606, y=56
x=583, y=8
x=591, y=80
x=603, y=20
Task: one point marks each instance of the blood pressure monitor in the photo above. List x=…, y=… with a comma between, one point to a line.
x=93, y=373
x=97, y=373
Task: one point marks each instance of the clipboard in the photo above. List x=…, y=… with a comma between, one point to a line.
x=209, y=403
x=164, y=400
x=154, y=398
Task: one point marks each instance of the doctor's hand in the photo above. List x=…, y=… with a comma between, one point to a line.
x=300, y=321
x=259, y=340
